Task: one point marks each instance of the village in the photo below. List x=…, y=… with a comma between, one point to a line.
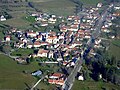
x=64, y=47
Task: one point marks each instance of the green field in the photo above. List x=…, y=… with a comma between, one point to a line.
x=58, y=7
x=1, y=35
x=116, y=42
x=22, y=52
x=17, y=20
x=11, y=76
x=91, y=2
x=92, y=85
x=114, y=49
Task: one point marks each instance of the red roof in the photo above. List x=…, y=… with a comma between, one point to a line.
x=8, y=36
x=42, y=51
x=37, y=43
x=57, y=74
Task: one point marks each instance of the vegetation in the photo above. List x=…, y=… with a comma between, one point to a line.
x=46, y=86
x=114, y=49
x=17, y=76
x=30, y=19
x=11, y=74
x=91, y=2
x=115, y=27
x=22, y=52
x=1, y=35
x=92, y=85
x=116, y=42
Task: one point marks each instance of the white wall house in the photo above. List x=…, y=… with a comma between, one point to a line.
x=2, y=18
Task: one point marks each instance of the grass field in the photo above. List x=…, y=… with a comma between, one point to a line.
x=17, y=20
x=116, y=42
x=91, y=2
x=1, y=35
x=11, y=76
x=46, y=86
x=58, y=7
x=114, y=49
x=92, y=85
x=22, y=52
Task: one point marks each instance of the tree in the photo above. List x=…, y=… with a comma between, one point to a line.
x=6, y=49
x=113, y=61
x=86, y=72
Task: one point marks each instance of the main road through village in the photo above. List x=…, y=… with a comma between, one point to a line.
x=71, y=78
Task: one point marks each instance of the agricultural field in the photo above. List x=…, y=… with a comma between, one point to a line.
x=22, y=52
x=17, y=21
x=91, y=2
x=1, y=35
x=92, y=85
x=114, y=49
x=56, y=7
x=12, y=76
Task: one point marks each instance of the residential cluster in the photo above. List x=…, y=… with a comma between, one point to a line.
x=66, y=45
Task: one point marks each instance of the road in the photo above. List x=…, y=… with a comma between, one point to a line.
x=37, y=83
x=71, y=78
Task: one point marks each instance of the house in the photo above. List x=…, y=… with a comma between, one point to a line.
x=44, y=43
x=37, y=73
x=53, y=16
x=57, y=78
x=29, y=45
x=116, y=14
x=99, y=5
x=42, y=53
x=52, y=33
x=44, y=23
x=117, y=7
x=7, y=38
x=39, y=37
x=73, y=62
x=70, y=18
x=36, y=44
x=52, y=39
x=97, y=41
x=20, y=60
x=52, y=20
x=87, y=36
x=81, y=78
x=77, y=43
x=63, y=29
x=20, y=44
x=34, y=14
x=2, y=18
x=31, y=34
x=81, y=32
x=50, y=54
x=73, y=27
x=13, y=30
x=61, y=37
x=104, y=29
x=59, y=59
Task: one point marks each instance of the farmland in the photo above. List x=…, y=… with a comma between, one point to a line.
x=114, y=49
x=22, y=52
x=92, y=85
x=91, y=2
x=11, y=74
